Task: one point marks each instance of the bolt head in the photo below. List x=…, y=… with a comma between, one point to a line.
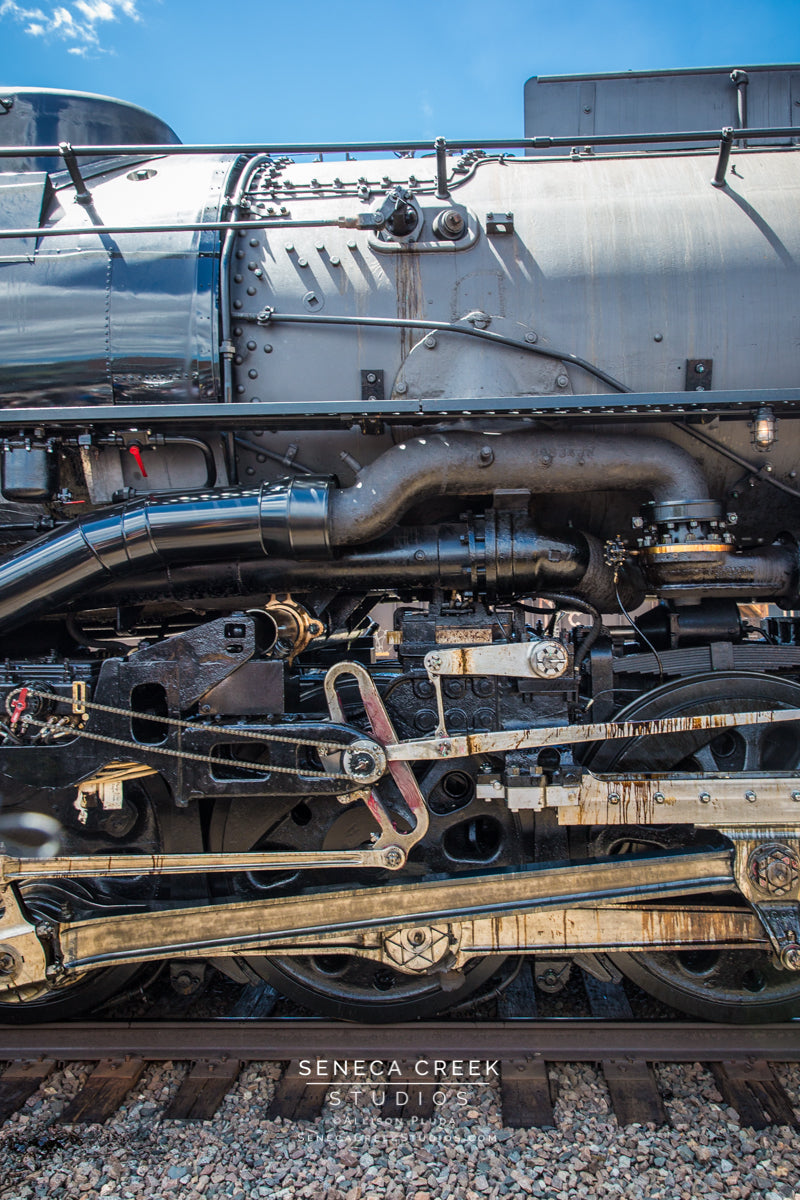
x=774, y=869
x=613, y=798
x=704, y=798
x=790, y=958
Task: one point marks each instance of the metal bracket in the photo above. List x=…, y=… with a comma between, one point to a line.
x=372, y=386
x=499, y=224
x=392, y=842
x=698, y=374
x=767, y=874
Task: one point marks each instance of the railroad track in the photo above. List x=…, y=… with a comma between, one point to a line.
x=404, y=1067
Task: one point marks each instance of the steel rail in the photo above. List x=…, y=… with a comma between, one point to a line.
x=281, y=148
x=588, y=1040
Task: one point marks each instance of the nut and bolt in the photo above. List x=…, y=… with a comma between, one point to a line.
x=658, y=797
x=444, y=749
x=704, y=798
x=562, y=381
x=486, y=456
x=7, y=963
x=750, y=797
x=774, y=869
x=796, y=797
x=613, y=798
x=434, y=662
x=531, y=337
x=372, y=377
x=430, y=342
x=393, y=857
x=790, y=957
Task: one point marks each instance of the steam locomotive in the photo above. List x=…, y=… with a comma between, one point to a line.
x=400, y=553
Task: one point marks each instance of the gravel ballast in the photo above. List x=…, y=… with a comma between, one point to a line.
x=350, y=1152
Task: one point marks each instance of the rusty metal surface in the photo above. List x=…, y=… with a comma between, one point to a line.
x=553, y=1041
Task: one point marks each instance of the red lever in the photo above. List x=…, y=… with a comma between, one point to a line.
x=18, y=706
x=137, y=454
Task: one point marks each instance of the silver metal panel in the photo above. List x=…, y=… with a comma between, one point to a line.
x=23, y=199
x=654, y=102
x=130, y=318
x=634, y=262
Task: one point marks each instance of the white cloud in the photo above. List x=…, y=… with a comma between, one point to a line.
x=76, y=23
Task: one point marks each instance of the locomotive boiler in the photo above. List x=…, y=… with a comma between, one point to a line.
x=399, y=553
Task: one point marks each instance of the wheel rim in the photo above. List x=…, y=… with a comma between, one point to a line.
x=722, y=985
x=47, y=900
x=465, y=834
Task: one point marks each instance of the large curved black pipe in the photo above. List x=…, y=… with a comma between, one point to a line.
x=306, y=518
x=463, y=464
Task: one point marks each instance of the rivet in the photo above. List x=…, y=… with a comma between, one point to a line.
x=253, y=241
x=240, y=253
x=237, y=304
x=238, y=359
x=240, y=389
x=238, y=278
x=268, y=349
x=251, y=291
x=251, y=345
x=658, y=337
x=253, y=373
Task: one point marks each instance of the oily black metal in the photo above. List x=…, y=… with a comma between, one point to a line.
x=158, y=685
x=497, y=554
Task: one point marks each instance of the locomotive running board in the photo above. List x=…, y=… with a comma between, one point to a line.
x=380, y=917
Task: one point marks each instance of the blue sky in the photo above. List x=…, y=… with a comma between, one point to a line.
x=406, y=68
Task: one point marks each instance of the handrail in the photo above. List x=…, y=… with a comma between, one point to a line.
x=534, y=143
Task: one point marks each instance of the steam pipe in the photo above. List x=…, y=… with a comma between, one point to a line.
x=463, y=464
x=306, y=518
x=500, y=555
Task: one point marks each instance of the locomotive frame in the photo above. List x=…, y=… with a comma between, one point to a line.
x=196, y=722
